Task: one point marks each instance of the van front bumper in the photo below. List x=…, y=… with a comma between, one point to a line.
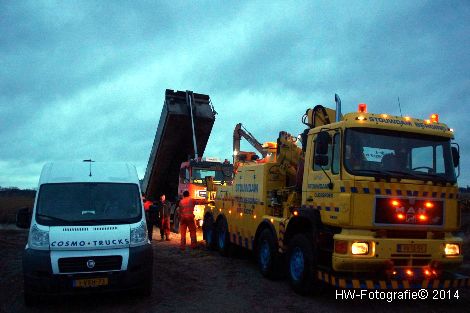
x=39, y=279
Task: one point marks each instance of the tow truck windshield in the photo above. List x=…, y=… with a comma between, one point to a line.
x=372, y=152
x=88, y=204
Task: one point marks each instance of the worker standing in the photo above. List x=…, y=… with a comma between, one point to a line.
x=150, y=216
x=164, y=212
x=186, y=208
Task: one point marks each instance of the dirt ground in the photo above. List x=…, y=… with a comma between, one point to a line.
x=199, y=281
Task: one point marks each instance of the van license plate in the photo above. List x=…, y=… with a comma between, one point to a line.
x=90, y=283
x=411, y=248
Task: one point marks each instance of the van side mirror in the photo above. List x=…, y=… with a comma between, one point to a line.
x=23, y=218
x=455, y=156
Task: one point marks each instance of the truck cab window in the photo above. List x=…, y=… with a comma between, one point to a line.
x=336, y=154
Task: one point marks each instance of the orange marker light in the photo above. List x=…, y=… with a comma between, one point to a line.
x=272, y=220
x=254, y=216
x=422, y=217
x=427, y=121
x=429, y=205
x=435, y=118
x=407, y=118
x=296, y=213
x=427, y=272
x=409, y=272
x=229, y=211
x=384, y=115
x=400, y=216
x=362, y=108
x=241, y=214
x=395, y=203
x=361, y=118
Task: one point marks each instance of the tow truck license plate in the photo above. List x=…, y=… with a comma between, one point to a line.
x=416, y=248
x=91, y=282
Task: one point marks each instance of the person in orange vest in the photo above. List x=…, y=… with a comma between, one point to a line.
x=186, y=211
x=150, y=216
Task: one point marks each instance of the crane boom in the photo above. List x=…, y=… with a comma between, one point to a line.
x=240, y=132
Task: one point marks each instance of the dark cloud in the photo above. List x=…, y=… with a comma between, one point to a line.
x=86, y=79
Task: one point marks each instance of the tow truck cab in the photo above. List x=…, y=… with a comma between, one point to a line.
x=87, y=231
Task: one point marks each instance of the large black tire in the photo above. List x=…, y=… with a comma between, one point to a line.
x=302, y=265
x=209, y=232
x=267, y=255
x=223, y=239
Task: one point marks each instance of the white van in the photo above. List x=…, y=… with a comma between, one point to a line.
x=87, y=231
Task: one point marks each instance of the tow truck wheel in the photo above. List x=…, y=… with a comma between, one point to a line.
x=301, y=265
x=209, y=232
x=268, y=261
x=223, y=240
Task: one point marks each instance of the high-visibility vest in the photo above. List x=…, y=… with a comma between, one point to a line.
x=147, y=205
x=186, y=207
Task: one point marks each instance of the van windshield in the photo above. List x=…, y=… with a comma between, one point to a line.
x=88, y=204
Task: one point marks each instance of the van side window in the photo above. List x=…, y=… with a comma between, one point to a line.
x=336, y=153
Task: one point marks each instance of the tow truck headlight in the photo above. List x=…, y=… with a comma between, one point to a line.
x=360, y=248
x=452, y=249
x=38, y=239
x=139, y=235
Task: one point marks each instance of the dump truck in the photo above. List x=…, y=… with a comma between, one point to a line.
x=362, y=200
x=181, y=136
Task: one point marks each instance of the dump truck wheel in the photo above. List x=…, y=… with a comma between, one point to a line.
x=223, y=239
x=267, y=256
x=209, y=232
x=301, y=265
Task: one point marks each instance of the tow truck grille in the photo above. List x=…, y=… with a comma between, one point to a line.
x=90, y=264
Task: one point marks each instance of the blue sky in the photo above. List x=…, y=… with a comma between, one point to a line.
x=86, y=79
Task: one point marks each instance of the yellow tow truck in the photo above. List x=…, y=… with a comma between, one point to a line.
x=362, y=200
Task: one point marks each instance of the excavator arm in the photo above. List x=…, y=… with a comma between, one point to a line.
x=240, y=132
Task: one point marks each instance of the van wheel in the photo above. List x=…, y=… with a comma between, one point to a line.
x=209, y=233
x=223, y=239
x=268, y=259
x=302, y=265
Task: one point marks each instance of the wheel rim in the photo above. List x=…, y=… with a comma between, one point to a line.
x=222, y=238
x=264, y=255
x=297, y=264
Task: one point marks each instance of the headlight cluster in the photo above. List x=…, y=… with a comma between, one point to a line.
x=38, y=239
x=139, y=235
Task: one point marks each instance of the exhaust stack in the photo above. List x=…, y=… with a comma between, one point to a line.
x=338, y=108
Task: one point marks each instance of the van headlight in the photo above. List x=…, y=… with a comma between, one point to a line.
x=139, y=235
x=38, y=239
